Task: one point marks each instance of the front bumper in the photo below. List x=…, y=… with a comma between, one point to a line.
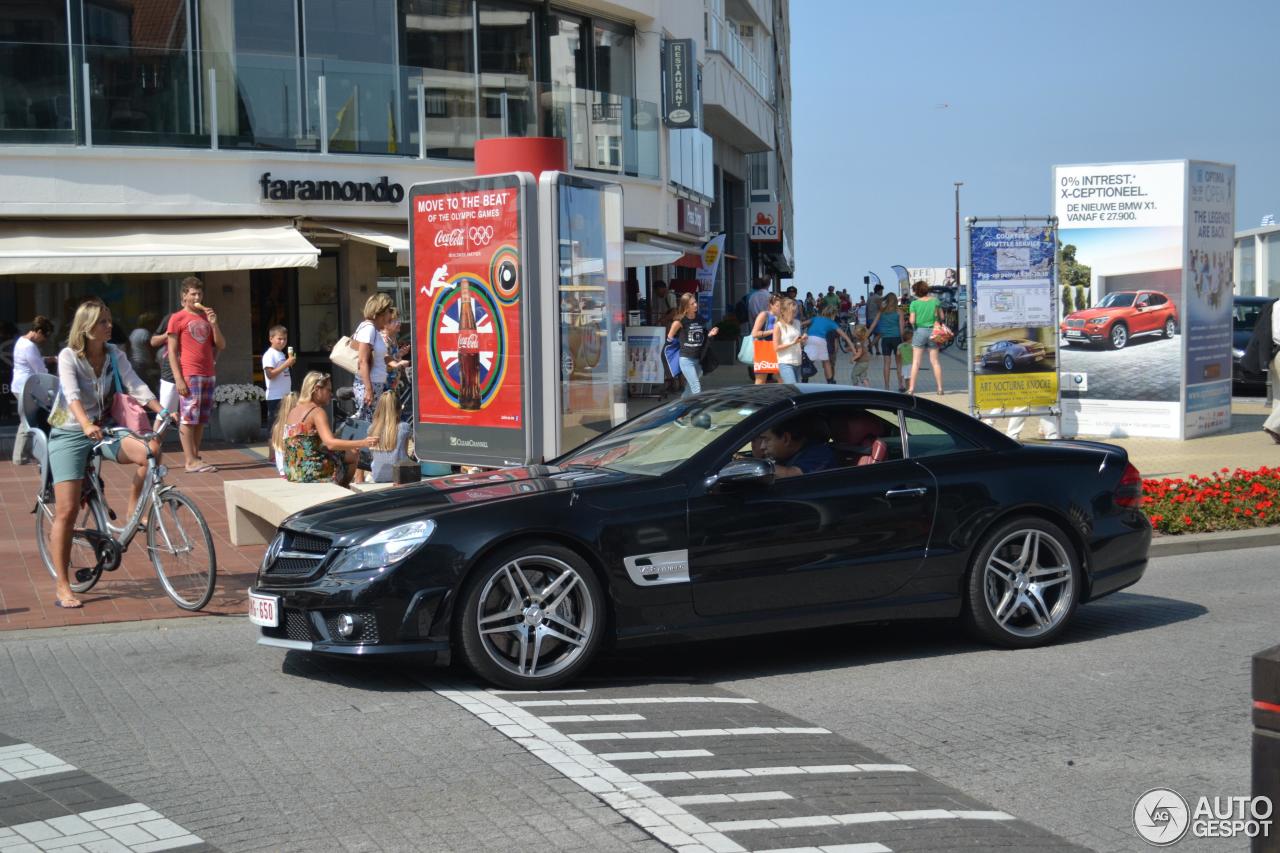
x=1093, y=336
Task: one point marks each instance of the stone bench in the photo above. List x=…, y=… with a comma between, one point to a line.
x=255, y=508
x=370, y=487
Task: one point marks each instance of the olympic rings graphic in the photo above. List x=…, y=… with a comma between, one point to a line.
x=480, y=235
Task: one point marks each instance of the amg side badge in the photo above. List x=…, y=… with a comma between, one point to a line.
x=662, y=567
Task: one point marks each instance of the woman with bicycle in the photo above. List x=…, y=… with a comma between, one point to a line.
x=83, y=406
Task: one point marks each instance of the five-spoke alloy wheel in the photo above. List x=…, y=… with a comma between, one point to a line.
x=532, y=617
x=1119, y=336
x=1023, y=584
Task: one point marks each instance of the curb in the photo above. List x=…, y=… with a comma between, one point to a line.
x=1203, y=543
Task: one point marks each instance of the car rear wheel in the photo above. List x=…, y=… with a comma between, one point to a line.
x=532, y=617
x=1024, y=584
x=1119, y=336
x=1170, y=327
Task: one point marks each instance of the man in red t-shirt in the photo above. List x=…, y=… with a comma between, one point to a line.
x=194, y=341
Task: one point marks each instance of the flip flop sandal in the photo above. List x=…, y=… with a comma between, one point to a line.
x=59, y=603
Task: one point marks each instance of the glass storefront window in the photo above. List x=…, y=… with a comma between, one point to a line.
x=352, y=44
x=136, y=301
x=614, y=61
x=507, y=75
x=438, y=39
x=36, y=96
x=142, y=74
x=253, y=47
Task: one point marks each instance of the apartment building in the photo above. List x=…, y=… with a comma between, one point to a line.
x=268, y=146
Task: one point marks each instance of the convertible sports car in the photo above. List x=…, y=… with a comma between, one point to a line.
x=668, y=528
x=1012, y=354
x=1121, y=316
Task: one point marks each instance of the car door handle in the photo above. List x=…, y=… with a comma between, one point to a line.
x=918, y=491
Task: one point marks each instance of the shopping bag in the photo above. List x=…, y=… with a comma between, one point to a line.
x=941, y=334
x=764, y=357
x=672, y=354
x=126, y=411
x=746, y=350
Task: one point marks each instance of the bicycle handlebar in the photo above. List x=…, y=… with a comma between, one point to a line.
x=119, y=432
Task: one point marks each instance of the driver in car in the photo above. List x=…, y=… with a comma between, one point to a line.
x=795, y=448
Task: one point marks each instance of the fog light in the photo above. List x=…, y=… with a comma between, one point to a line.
x=348, y=624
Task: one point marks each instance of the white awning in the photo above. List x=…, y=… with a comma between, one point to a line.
x=648, y=255
x=83, y=247
x=391, y=236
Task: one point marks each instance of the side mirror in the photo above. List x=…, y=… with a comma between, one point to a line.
x=742, y=472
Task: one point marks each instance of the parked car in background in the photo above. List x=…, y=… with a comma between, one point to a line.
x=1245, y=310
x=1013, y=353
x=1120, y=317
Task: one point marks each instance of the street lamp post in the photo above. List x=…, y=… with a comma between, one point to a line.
x=958, y=184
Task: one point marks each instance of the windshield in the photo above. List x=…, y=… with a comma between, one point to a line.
x=1116, y=300
x=658, y=441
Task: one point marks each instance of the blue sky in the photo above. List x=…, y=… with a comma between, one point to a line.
x=892, y=102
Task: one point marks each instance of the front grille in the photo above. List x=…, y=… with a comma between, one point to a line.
x=305, y=543
x=297, y=626
x=1075, y=324
x=368, y=627
x=293, y=566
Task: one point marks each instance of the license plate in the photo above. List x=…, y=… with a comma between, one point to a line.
x=1073, y=333
x=264, y=610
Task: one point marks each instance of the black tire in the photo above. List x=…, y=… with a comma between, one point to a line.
x=1009, y=363
x=181, y=550
x=1170, y=327
x=503, y=654
x=1006, y=613
x=1118, y=337
x=85, y=561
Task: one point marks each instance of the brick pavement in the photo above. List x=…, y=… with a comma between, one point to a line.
x=133, y=591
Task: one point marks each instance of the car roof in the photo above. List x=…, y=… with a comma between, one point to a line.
x=1253, y=300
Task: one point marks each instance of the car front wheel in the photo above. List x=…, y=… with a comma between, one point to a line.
x=1024, y=583
x=1119, y=336
x=532, y=617
x=1009, y=363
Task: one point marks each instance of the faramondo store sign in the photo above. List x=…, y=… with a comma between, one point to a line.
x=280, y=189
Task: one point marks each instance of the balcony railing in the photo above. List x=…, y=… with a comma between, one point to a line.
x=723, y=40
x=92, y=95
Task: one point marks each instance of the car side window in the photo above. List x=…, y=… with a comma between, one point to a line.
x=1142, y=302
x=849, y=436
x=925, y=438
x=1157, y=299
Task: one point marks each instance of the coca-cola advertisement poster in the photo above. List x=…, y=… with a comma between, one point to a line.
x=468, y=320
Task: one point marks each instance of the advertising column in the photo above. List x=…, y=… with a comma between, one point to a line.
x=1015, y=342
x=1120, y=271
x=470, y=317
x=1210, y=259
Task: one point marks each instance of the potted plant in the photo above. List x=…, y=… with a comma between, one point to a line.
x=239, y=413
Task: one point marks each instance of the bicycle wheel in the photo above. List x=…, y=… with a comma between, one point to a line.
x=84, y=562
x=181, y=550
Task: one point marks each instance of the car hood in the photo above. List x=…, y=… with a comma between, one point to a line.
x=1090, y=313
x=350, y=518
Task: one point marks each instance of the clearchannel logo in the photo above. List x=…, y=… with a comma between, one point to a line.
x=454, y=441
x=1163, y=817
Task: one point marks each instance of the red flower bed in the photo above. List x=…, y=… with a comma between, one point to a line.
x=1229, y=500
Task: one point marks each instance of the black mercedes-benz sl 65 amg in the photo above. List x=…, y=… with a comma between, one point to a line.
x=744, y=510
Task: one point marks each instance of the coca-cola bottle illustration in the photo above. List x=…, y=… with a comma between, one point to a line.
x=468, y=353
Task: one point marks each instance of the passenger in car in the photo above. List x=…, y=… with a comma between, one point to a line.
x=796, y=448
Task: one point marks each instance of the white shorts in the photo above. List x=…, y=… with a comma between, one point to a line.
x=816, y=349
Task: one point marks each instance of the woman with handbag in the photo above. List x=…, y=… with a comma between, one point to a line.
x=924, y=319
x=762, y=333
x=97, y=387
x=364, y=354
x=693, y=337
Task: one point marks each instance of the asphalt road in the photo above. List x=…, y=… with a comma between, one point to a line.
x=254, y=749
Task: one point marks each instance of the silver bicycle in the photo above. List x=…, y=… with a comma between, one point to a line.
x=178, y=538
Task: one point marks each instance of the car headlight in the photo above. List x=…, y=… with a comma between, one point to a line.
x=386, y=548
x=1237, y=353
x=1097, y=321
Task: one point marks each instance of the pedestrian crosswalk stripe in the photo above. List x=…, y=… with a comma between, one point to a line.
x=858, y=818
x=637, y=700
x=686, y=733
x=739, y=773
